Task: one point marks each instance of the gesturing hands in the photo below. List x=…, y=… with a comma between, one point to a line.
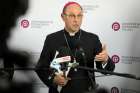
x=103, y=55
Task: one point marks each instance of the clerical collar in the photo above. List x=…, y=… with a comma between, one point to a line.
x=76, y=34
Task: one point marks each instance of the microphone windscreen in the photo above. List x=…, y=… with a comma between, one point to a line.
x=63, y=51
x=80, y=56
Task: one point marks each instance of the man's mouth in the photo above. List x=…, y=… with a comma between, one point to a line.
x=76, y=25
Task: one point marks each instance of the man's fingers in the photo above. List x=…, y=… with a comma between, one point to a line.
x=64, y=82
x=103, y=47
x=101, y=54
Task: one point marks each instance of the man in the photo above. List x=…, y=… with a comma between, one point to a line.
x=85, y=47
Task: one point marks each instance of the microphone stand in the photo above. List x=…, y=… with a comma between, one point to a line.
x=90, y=75
x=89, y=70
x=126, y=75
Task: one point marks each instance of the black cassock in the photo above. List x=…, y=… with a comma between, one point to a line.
x=80, y=81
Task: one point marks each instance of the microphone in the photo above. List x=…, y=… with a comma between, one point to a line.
x=90, y=75
x=61, y=61
x=80, y=56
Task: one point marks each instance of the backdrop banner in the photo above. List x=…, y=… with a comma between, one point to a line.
x=116, y=22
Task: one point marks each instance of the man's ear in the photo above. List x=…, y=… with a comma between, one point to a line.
x=62, y=16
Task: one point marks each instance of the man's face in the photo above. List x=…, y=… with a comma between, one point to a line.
x=72, y=17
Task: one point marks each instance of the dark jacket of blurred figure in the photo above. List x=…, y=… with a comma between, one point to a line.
x=10, y=11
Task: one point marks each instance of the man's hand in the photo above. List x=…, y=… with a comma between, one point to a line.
x=59, y=79
x=102, y=56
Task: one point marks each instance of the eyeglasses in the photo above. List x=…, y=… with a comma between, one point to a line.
x=72, y=16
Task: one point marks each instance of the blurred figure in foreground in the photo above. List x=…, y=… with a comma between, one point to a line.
x=10, y=11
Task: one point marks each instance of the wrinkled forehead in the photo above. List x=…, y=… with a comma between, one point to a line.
x=69, y=4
